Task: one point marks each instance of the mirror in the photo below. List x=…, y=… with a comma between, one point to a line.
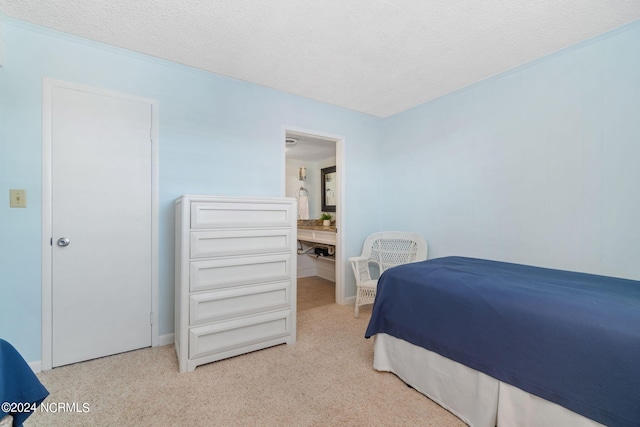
x=328, y=189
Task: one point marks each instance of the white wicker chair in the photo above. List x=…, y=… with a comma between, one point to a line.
x=384, y=249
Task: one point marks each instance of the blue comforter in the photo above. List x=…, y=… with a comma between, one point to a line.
x=18, y=385
x=571, y=338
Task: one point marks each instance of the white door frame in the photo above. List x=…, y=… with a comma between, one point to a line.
x=47, y=182
x=340, y=174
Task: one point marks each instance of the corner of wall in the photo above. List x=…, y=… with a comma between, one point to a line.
x=166, y=339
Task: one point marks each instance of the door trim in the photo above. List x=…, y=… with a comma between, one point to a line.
x=47, y=250
x=341, y=298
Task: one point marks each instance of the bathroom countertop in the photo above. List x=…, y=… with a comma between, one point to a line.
x=316, y=225
x=318, y=228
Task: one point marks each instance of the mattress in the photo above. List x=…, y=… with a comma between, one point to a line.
x=474, y=397
x=569, y=338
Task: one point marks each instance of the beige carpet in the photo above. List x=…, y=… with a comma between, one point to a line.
x=326, y=378
x=314, y=292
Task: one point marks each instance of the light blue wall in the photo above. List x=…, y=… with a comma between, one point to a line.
x=212, y=131
x=540, y=165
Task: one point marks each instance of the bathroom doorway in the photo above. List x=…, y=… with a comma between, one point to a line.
x=308, y=157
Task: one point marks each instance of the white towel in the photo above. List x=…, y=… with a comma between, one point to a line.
x=303, y=207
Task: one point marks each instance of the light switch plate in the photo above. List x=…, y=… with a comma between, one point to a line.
x=18, y=198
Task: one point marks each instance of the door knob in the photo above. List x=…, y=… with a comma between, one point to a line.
x=63, y=241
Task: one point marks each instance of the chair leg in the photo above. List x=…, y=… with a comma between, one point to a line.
x=357, y=312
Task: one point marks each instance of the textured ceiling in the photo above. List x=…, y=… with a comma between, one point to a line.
x=375, y=56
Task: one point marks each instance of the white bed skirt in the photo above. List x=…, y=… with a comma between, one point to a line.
x=476, y=398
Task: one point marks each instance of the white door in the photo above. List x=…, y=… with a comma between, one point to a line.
x=101, y=205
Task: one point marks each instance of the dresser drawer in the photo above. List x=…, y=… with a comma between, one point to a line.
x=206, y=244
x=237, y=214
x=229, y=272
x=241, y=301
x=228, y=335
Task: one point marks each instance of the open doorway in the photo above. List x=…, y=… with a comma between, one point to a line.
x=313, y=175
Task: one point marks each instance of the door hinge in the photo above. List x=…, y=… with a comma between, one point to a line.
x=51, y=241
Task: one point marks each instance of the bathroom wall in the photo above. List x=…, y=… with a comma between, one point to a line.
x=312, y=184
x=310, y=265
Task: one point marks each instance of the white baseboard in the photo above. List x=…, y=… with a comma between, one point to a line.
x=307, y=272
x=165, y=339
x=350, y=300
x=327, y=275
x=36, y=366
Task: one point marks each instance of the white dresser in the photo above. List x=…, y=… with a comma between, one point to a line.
x=235, y=276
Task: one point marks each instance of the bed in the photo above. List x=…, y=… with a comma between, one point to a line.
x=507, y=344
x=20, y=389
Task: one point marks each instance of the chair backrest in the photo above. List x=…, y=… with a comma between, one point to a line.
x=391, y=248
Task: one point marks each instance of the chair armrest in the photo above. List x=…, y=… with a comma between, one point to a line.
x=360, y=267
